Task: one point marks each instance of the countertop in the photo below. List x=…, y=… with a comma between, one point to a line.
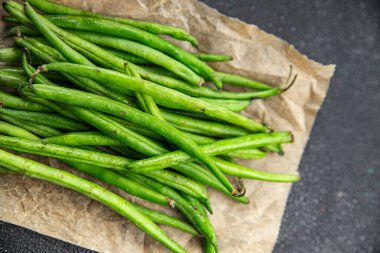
x=336, y=206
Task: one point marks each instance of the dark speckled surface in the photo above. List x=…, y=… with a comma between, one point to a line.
x=336, y=206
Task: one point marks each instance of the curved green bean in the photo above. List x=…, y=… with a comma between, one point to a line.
x=16, y=131
x=213, y=57
x=92, y=190
x=242, y=81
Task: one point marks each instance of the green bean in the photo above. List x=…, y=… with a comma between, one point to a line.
x=10, y=101
x=127, y=56
x=11, y=54
x=92, y=190
x=15, y=131
x=5, y=171
x=276, y=148
x=218, y=147
x=179, y=182
x=83, y=138
x=182, y=204
x=242, y=81
x=66, y=153
x=165, y=78
x=129, y=32
x=40, y=130
x=203, y=127
x=22, y=29
x=12, y=70
x=213, y=57
x=48, y=119
x=145, y=52
x=232, y=105
x=168, y=220
x=248, y=154
x=131, y=114
x=162, y=95
x=175, y=32
x=13, y=80
x=10, y=19
x=234, y=169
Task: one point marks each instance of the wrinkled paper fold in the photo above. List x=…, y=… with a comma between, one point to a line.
x=71, y=217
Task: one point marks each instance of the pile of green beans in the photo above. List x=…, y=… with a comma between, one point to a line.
x=112, y=99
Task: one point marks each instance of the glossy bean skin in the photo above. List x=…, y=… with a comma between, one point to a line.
x=213, y=57
x=92, y=190
x=133, y=115
x=242, y=81
x=155, y=28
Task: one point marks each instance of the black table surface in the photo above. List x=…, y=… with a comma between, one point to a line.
x=336, y=206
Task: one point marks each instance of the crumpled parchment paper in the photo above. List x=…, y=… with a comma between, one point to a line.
x=66, y=215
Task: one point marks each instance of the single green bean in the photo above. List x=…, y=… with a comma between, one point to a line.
x=242, y=81
x=168, y=220
x=11, y=54
x=133, y=115
x=10, y=101
x=248, y=154
x=84, y=138
x=13, y=80
x=92, y=190
x=230, y=104
x=203, y=127
x=16, y=131
x=66, y=153
x=128, y=57
x=48, y=119
x=234, y=169
x=12, y=70
x=22, y=29
x=10, y=19
x=155, y=28
x=40, y=130
x=162, y=95
x=213, y=57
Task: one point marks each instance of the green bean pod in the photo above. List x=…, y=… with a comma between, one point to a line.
x=10, y=101
x=11, y=54
x=92, y=190
x=16, y=131
x=213, y=57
